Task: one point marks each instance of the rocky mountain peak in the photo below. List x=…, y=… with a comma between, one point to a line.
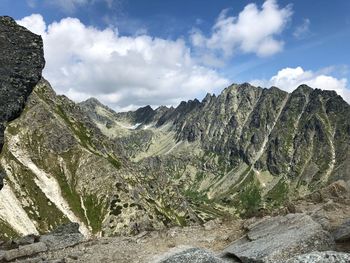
x=208, y=97
x=144, y=114
x=92, y=102
x=303, y=88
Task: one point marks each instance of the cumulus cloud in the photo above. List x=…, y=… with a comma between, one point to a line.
x=290, y=78
x=34, y=23
x=83, y=61
x=302, y=30
x=254, y=30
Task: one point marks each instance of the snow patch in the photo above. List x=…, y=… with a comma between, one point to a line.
x=129, y=127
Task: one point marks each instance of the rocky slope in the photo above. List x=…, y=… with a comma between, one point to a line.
x=241, y=151
x=61, y=168
x=245, y=152
x=21, y=64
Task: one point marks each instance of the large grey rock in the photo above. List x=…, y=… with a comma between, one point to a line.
x=26, y=240
x=322, y=257
x=25, y=251
x=191, y=255
x=64, y=236
x=342, y=233
x=279, y=238
x=21, y=64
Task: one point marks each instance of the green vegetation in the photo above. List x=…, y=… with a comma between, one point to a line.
x=196, y=197
x=7, y=232
x=95, y=212
x=78, y=128
x=278, y=194
x=112, y=160
x=71, y=196
x=250, y=199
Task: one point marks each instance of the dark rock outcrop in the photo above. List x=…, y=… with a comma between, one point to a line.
x=21, y=65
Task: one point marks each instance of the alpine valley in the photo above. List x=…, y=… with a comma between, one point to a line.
x=249, y=151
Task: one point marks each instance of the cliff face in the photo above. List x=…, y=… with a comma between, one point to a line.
x=21, y=64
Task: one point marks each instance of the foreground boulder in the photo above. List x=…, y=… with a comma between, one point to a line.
x=29, y=246
x=21, y=65
x=342, y=233
x=24, y=251
x=322, y=257
x=64, y=236
x=279, y=238
x=191, y=255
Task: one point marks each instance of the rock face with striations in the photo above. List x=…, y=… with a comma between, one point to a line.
x=21, y=64
x=279, y=238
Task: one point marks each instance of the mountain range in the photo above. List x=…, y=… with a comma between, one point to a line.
x=247, y=151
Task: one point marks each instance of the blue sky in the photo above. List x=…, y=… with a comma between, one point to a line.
x=130, y=53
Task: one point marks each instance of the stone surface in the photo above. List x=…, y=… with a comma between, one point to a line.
x=66, y=229
x=342, y=233
x=64, y=236
x=322, y=257
x=25, y=251
x=21, y=64
x=26, y=240
x=191, y=255
x=279, y=238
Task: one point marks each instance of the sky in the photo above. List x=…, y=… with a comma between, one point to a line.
x=132, y=53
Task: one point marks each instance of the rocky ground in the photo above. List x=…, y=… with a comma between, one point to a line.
x=144, y=247
x=314, y=229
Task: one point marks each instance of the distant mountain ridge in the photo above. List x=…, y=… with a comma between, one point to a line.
x=245, y=121
x=250, y=140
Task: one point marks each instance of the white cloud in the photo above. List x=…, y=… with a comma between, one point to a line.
x=35, y=23
x=253, y=31
x=302, y=30
x=289, y=79
x=84, y=61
